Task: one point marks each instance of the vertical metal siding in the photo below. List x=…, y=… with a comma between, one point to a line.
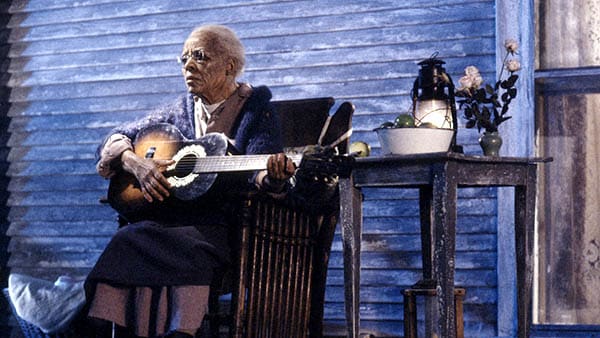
x=78, y=68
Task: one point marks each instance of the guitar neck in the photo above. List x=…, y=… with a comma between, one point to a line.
x=236, y=163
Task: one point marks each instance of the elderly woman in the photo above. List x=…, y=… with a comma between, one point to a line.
x=153, y=278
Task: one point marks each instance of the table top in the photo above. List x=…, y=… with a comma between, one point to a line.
x=420, y=169
x=450, y=156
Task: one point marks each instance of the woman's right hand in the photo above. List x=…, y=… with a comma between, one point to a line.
x=149, y=173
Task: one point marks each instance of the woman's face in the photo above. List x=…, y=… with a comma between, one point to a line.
x=206, y=72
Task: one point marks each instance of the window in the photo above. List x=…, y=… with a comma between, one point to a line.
x=568, y=129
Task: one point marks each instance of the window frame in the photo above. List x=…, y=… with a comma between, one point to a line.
x=514, y=20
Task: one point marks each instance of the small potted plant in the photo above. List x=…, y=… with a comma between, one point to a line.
x=487, y=107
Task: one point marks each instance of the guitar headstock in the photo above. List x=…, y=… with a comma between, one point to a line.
x=323, y=161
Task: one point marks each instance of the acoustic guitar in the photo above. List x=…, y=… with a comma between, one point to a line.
x=197, y=165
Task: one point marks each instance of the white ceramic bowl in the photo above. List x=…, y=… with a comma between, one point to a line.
x=407, y=141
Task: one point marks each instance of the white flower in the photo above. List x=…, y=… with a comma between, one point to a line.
x=511, y=45
x=471, y=80
x=472, y=71
x=465, y=82
x=513, y=65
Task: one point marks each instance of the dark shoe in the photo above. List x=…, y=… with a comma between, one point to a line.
x=95, y=328
x=178, y=334
x=123, y=332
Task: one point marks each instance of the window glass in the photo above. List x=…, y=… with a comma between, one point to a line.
x=569, y=213
x=568, y=33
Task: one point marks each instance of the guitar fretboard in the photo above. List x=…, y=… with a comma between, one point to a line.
x=217, y=164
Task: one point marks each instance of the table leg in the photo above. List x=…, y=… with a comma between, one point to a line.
x=425, y=197
x=524, y=231
x=444, y=222
x=351, y=224
x=427, y=248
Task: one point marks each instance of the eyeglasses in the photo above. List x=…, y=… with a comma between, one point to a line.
x=198, y=55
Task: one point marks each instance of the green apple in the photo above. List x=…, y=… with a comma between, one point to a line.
x=404, y=121
x=427, y=125
x=360, y=149
x=386, y=125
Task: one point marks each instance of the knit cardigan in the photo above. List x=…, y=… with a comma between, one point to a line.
x=257, y=129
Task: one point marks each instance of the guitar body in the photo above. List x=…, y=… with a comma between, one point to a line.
x=165, y=141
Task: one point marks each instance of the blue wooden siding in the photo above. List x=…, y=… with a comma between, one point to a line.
x=78, y=68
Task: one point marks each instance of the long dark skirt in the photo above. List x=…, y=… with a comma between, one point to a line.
x=148, y=256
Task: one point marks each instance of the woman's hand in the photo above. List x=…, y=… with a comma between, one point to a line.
x=279, y=169
x=149, y=173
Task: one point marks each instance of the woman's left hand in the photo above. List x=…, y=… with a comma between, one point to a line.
x=279, y=169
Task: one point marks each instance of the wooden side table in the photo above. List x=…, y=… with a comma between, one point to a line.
x=438, y=177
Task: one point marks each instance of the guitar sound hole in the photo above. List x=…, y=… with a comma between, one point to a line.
x=184, y=166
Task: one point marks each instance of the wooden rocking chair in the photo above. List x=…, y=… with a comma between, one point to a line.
x=284, y=246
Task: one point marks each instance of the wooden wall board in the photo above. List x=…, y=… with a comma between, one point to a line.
x=75, y=69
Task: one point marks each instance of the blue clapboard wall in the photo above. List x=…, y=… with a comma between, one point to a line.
x=75, y=69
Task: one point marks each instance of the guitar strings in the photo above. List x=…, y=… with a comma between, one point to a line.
x=219, y=161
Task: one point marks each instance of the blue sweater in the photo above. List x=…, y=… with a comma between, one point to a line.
x=257, y=129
